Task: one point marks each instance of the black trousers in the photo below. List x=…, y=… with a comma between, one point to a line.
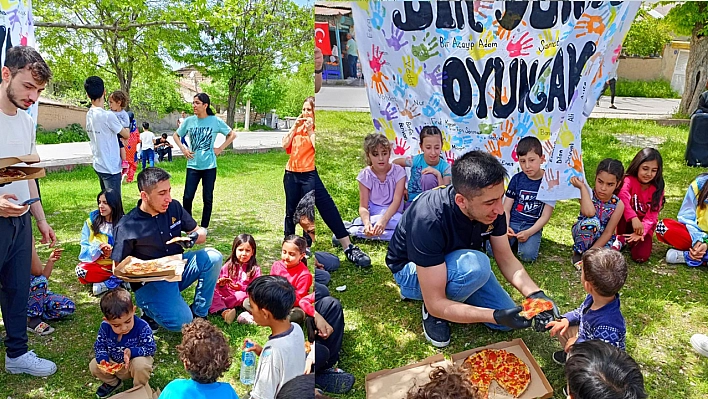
x=327, y=350
x=612, y=84
x=162, y=151
x=328, y=210
x=15, y=261
x=208, y=178
x=296, y=185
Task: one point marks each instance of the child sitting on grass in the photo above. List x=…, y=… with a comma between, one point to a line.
x=428, y=169
x=44, y=304
x=597, y=370
x=205, y=353
x=282, y=358
x=123, y=339
x=294, y=270
x=603, y=274
x=450, y=383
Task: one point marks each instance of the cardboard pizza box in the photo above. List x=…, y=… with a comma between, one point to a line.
x=539, y=386
x=30, y=172
x=172, y=267
x=138, y=392
x=395, y=383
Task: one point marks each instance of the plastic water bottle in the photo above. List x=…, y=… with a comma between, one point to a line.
x=248, y=365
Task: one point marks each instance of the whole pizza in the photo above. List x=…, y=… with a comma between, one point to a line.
x=143, y=267
x=488, y=365
x=8, y=174
x=534, y=306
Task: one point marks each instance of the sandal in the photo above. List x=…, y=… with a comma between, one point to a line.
x=41, y=329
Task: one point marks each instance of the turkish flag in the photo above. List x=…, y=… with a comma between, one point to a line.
x=322, y=37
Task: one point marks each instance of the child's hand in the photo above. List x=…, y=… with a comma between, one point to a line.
x=577, y=182
x=318, y=264
x=235, y=286
x=523, y=236
x=638, y=226
x=432, y=171
x=56, y=255
x=126, y=357
x=379, y=228
x=558, y=327
x=308, y=365
x=368, y=230
x=255, y=348
x=106, y=249
x=324, y=330
x=223, y=281
x=632, y=238
x=698, y=251
x=510, y=232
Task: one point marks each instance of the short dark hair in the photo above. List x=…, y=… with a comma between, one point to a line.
x=305, y=208
x=120, y=97
x=528, y=144
x=598, y=370
x=94, y=87
x=451, y=383
x=300, y=387
x=476, y=170
x=605, y=269
x=116, y=303
x=204, y=351
x=149, y=177
x=164, y=135
x=21, y=57
x=146, y=125
x=272, y=293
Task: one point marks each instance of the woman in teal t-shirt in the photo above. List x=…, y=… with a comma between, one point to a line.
x=202, y=129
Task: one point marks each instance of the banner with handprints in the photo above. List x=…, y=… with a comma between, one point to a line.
x=490, y=73
x=16, y=29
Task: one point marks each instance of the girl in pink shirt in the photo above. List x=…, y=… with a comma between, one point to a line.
x=295, y=271
x=643, y=196
x=236, y=274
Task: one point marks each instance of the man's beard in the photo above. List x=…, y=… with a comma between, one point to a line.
x=11, y=96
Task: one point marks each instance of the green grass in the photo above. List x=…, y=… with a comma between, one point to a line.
x=662, y=304
x=249, y=198
x=658, y=88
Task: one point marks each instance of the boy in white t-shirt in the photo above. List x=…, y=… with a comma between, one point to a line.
x=147, y=145
x=102, y=126
x=282, y=358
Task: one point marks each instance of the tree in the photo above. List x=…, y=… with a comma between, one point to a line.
x=691, y=18
x=242, y=40
x=647, y=36
x=266, y=94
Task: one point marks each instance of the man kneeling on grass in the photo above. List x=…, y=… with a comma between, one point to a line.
x=435, y=256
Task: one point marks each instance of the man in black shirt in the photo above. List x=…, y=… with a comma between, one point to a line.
x=144, y=232
x=435, y=253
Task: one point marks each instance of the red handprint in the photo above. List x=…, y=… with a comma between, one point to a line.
x=375, y=61
x=591, y=24
x=508, y=134
x=400, y=147
x=450, y=157
x=514, y=155
x=516, y=48
x=493, y=148
x=377, y=82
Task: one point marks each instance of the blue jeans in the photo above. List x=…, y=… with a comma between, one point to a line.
x=110, y=181
x=162, y=300
x=469, y=280
x=148, y=154
x=528, y=251
x=352, y=65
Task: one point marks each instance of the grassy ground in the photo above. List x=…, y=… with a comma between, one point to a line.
x=662, y=304
x=248, y=199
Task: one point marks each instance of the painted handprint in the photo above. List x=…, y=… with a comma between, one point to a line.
x=482, y=7
x=389, y=113
x=549, y=43
x=493, y=148
x=446, y=34
x=433, y=105
x=450, y=157
x=590, y=24
x=400, y=147
x=410, y=113
x=435, y=77
x=388, y=129
x=399, y=90
x=466, y=118
x=502, y=33
x=376, y=60
x=514, y=155
x=565, y=137
x=504, y=96
x=517, y=48
x=478, y=52
x=446, y=139
x=616, y=53
x=487, y=128
x=508, y=133
x=547, y=148
x=577, y=161
x=377, y=82
x=552, y=181
x=543, y=127
x=394, y=42
x=377, y=13
x=411, y=74
x=377, y=124
x=424, y=50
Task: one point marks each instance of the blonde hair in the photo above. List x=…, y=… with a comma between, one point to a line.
x=372, y=142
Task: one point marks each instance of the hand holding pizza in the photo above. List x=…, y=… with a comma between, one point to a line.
x=106, y=249
x=126, y=357
x=223, y=281
x=511, y=318
x=542, y=319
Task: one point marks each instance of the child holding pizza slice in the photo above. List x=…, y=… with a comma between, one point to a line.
x=603, y=274
x=235, y=276
x=123, y=340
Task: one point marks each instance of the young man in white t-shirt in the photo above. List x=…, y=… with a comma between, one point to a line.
x=147, y=145
x=102, y=127
x=24, y=77
x=282, y=358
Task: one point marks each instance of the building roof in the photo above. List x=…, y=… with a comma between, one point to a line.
x=332, y=8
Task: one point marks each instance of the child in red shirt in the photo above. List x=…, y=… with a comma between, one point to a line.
x=643, y=196
x=294, y=270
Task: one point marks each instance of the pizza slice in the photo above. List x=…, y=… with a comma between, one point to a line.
x=178, y=239
x=11, y=173
x=143, y=267
x=513, y=376
x=534, y=306
x=110, y=368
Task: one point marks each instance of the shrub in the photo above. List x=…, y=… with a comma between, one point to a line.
x=73, y=133
x=658, y=88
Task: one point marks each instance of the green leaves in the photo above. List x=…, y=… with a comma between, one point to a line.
x=647, y=36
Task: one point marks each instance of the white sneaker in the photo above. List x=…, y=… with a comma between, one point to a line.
x=675, y=256
x=99, y=288
x=700, y=344
x=31, y=364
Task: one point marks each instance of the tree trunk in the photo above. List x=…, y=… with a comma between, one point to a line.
x=233, y=95
x=696, y=73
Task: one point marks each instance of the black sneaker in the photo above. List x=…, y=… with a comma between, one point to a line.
x=357, y=256
x=151, y=322
x=436, y=330
x=560, y=357
x=106, y=390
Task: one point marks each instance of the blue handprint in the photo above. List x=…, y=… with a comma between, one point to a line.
x=377, y=14
x=400, y=89
x=394, y=41
x=571, y=172
x=433, y=106
x=447, y=33
x=389, y=113
x=524, y=124
x=463, y=118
